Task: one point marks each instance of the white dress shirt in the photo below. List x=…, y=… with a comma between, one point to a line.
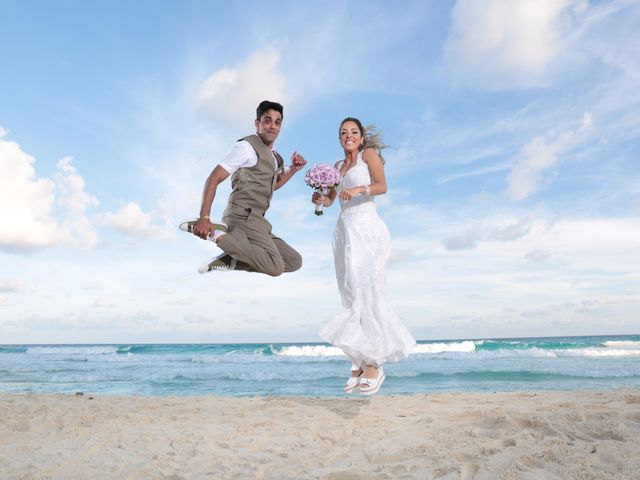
x=242, y=155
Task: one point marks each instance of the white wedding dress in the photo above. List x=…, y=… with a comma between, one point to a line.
x=368, y=331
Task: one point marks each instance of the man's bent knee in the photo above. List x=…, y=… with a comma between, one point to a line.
x=293, y=263
x=275, y=269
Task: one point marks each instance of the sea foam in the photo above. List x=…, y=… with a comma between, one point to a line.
x=328, y=351
x=464, y=346
x=621, y=344
x=72, y=350
x=308, y=351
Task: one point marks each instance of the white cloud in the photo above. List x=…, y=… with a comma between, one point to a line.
x=132, y=220
x=438, y=293
x=538, y=239
x=463, y=241
x=102, y=302
x=72, y=196
x=491, y=287
x=498, y=232
x=26, y=202
x=232, y=94
x=37, y=212
x=507, y=42
x=75, y=201
x=537, y=256
x=476, y=172
x=606, y=236
x=539, y=156
x=510, y=232
x=12, y=285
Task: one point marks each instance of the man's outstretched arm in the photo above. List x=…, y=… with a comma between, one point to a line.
x=297, y=163
x=203, y=227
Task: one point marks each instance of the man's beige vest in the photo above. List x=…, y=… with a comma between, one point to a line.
x=252, y=187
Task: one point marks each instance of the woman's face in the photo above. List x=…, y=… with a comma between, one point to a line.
x=350, y=136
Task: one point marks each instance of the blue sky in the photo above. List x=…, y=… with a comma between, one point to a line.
x=513, y=172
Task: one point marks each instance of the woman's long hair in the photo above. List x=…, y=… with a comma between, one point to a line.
x=372, y=137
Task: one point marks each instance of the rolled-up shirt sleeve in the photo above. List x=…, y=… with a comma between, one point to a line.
x=241, y=155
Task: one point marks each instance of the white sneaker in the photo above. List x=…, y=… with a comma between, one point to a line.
x=223, y=262
x=218, y=227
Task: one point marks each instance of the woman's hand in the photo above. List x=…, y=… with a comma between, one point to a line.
x=349, y=193
x=317, y=198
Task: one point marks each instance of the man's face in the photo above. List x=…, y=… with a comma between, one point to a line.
x=268, y=126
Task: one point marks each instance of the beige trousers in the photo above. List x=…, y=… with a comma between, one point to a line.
x=250, y=241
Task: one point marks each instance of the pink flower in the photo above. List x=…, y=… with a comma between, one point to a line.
x=321, y=178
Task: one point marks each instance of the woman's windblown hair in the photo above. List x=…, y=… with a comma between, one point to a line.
x=373, y=139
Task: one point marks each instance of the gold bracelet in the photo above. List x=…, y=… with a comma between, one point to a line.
x=204, y=216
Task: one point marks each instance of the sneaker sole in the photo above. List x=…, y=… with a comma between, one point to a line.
x=210, y=267
x=188, y=226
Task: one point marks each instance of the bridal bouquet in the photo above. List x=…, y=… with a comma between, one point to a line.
x=321, y=178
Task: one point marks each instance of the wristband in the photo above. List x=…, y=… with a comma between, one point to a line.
x=204, y=216
x=367, y=190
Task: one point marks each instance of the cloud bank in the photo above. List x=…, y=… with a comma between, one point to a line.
x=539, y=156
x=231, y=94
x=503, y=43
x=37, y=212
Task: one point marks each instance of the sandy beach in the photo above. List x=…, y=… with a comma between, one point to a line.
x=527, y=435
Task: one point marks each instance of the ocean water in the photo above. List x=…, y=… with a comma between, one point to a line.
x=314, y=369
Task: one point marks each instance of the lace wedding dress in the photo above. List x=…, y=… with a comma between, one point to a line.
x=368, y=331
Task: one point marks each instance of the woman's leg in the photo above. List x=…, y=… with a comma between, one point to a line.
x=370, y=371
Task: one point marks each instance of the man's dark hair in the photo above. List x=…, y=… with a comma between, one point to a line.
x=267, y=105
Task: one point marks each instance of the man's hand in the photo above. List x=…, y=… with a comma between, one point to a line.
x=297, y=162
x=203, y=228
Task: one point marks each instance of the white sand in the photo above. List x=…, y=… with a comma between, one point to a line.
x=575, y=435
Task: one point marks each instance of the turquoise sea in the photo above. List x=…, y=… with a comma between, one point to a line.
x=314, y=369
